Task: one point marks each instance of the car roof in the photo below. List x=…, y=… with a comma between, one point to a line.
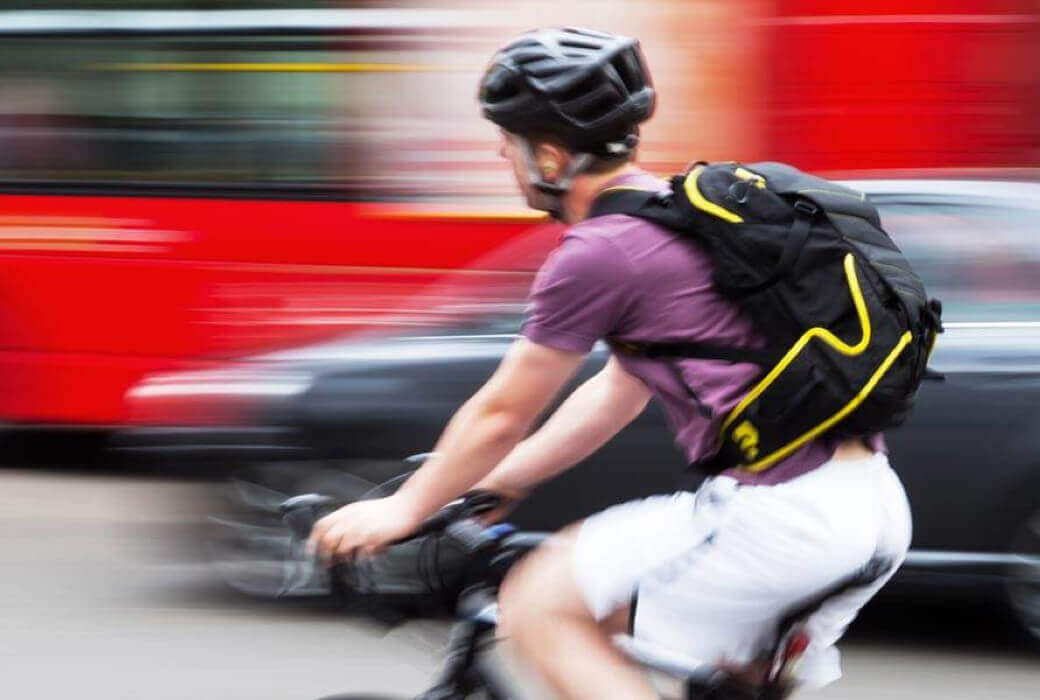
x=1024, y=192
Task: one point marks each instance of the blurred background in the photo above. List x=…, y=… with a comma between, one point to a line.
x=274, y=240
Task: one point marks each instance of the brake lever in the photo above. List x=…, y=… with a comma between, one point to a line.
x=480, y=501
x=301, y=512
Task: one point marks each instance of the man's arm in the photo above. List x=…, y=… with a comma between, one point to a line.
x=591, y=416
x=491, y=423
x=481, y=433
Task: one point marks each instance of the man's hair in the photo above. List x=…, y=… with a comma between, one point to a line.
x=601, y=165
x=598, y=165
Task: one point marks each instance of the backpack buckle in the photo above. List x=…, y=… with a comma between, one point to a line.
x=662, y=197
x=806, y=208
x=624, y=346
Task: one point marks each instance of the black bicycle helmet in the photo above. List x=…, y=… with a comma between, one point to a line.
x=589, y=89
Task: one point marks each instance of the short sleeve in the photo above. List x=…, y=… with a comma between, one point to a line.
x=579, y=295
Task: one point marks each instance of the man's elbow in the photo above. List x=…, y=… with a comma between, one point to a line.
x=639, y=404
x=502, y=424
x=623, y=393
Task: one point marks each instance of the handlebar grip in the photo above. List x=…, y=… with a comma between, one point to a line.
x=416, y=461
x=307, y=500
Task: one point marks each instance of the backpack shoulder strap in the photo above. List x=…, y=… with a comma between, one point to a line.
x=680, y=349
x=654, y=206
x=620, y=200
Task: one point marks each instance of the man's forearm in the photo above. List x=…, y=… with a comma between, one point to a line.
x=480, y=442
x=488, y=426
x=591, y=416
x=456, y=426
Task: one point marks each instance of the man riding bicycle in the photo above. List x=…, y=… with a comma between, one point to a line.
x=708, y=574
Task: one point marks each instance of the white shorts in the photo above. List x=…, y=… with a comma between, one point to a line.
x=712, y=572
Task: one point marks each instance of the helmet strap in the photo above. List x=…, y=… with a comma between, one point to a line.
x=551, y=194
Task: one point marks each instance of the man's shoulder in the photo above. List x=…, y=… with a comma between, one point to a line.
x=618, y=230
x=620, y=226
x=591, y=250
x=628, y=237
x=605, y=231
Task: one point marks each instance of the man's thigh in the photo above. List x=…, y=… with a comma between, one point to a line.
x=543, y=584
x=594, y=568
x=617, y=550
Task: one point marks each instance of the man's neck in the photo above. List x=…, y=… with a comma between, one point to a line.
x=584, y=189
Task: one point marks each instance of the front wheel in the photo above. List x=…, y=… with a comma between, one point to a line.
x=252, y=547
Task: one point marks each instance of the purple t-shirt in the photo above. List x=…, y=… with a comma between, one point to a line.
x=621, y=277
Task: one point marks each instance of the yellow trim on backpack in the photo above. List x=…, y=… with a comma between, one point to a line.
x=625, y=187
x=816, y=332
x=841, y=346
x=744, y=174
x=846, y=409
x=622, y=187
x=698, y=200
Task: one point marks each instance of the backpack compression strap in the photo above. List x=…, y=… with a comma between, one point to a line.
x=701, y=351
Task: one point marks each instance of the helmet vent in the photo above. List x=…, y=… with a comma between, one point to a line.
x=545, y=67
x=596, y=109
x=578, y=31
x=622, y=65
x=524, y=57
x=578, y=44
x=583, y=89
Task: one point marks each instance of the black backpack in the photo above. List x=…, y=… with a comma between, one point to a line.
x=847, y=323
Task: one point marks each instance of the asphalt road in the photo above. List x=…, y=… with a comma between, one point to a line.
x=104, y=595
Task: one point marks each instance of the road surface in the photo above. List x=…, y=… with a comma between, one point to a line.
x=104, y=594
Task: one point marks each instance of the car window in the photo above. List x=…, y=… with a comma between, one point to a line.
x=980, y=258
x=268, y=111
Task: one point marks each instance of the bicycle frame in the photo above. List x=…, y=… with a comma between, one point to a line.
x=497, y=548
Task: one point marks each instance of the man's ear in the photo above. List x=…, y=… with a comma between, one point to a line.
x=551, y=160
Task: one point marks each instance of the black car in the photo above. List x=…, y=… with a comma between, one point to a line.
x=969, y=456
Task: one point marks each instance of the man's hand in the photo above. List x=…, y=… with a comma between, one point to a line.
x=362, y=528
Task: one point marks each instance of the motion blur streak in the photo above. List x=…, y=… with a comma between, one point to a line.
x=282, y=67
x=223, y=383
x=263, y=177
x=275, y=238
x=242, y=20
x=898, y=19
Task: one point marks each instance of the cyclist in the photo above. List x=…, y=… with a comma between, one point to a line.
x=709, y=573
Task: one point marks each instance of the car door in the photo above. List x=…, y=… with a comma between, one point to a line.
x=969, y=455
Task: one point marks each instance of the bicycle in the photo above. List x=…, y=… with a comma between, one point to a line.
x=490, y=551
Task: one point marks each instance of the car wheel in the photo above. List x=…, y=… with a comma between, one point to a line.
x=1023, y=580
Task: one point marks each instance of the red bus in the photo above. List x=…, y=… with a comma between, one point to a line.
x=180, y=188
